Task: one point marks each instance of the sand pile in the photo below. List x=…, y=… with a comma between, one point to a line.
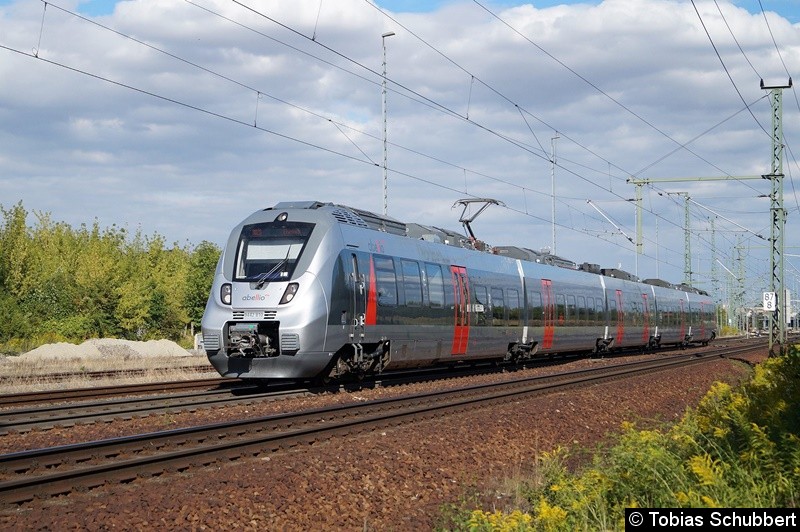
x=108, y=348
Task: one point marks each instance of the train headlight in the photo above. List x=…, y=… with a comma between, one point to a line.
x=288, y=295
x=225, y=293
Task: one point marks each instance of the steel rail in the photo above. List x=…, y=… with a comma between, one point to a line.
x=52, y=396
x=40, y=472
x=46, y=417
x=68, y=414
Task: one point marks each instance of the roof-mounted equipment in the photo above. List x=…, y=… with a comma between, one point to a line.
x=466, y=220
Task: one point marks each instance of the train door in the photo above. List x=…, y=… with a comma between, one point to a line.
x=461, y=316
x=358, y=300
x=620, y=318
x=549, y=314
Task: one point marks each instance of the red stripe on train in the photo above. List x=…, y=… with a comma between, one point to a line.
x=372, y=297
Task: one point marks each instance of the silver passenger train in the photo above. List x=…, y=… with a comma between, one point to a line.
x=309, y=290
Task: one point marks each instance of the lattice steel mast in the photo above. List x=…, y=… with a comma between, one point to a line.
x=777, y=325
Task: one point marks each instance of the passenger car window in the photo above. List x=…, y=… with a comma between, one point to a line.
x=412, y=285
x=435, y=285
x=385, y=281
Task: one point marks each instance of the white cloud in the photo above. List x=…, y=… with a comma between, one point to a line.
x=82, y=148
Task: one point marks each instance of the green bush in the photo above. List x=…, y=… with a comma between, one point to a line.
x=64, y=283
x=738, y=448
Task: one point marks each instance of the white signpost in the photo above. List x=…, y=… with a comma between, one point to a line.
x=770, y=302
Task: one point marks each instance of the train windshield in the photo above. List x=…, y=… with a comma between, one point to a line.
x=269, y=251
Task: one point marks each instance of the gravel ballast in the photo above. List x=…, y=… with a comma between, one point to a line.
x=392, y=479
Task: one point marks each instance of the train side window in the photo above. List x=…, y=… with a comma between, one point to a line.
x=613, y=316
x=601, y=311
x=514, y=308
x=435, y=285
x=630, y=316
x=561, y=310
x=449, y=290
x=535, y=309
x=581, y=310
x=412, y=285
x=572, y=314
x=385, y=281
x=591, y=316
x=498, y=307
x=480, y=304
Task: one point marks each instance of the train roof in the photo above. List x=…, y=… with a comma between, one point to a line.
x=542, y=257
x=377, y=222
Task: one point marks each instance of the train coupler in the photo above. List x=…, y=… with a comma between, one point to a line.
x=521, y=351
x=654, y=343
x=361, y=359
x=603, y=345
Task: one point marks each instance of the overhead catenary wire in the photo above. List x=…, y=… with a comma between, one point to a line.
x=595, y=86
x=573, y=228
x=730, y=30
x=312, y=144
x=473, y=78
x=395, y=21
x=725, y=68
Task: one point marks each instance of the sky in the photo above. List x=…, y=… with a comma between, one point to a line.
x=182, y=117
x=790, y=9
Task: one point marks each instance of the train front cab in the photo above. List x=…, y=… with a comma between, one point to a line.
x=266, y=297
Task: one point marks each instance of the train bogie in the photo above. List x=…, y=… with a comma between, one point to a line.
x=309, y=289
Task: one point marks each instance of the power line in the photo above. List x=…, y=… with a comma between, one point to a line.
x=596, y=87
x=474, y=78
x=722, y=15
x=313, y=145
x=725, y=68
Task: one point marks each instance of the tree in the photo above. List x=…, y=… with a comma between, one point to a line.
x=202, y=264
x=63, y=283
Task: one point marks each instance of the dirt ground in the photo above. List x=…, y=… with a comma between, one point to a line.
x=394, y=479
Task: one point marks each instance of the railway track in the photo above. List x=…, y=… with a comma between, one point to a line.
x=106, y=374
x=56, y=396
x=61, y=470
x=220, y=393
x=46, y=410
x=175, y=397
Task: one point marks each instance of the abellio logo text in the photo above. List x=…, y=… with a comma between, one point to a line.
x=253, y=297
